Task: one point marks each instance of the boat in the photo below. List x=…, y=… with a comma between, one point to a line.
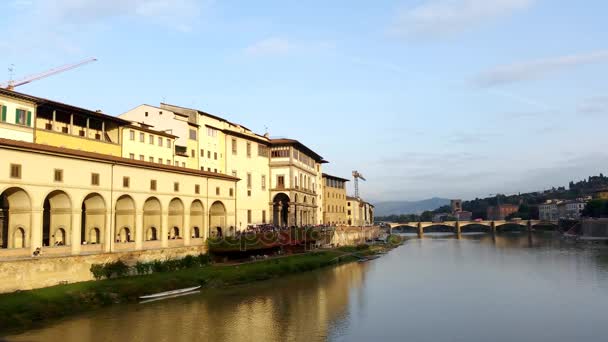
x=170, y=293
x=374, y=257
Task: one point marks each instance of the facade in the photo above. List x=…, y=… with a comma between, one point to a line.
x=570, y=209
x=548, y=211
x=456, y=205
x=142, y=143
x=17, y=116
x=66, y=201
x=335, y=203
x=294, y=170
x=358, y=212
x=501, y=211
x=464, y=216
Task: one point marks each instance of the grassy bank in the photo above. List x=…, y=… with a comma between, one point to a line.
x=22, y=310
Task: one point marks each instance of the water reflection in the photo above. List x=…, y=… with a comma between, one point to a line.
x=513, y=286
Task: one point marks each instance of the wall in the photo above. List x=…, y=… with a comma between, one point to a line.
x=41, y=272
x=595, y=228
x=75, y=142
x=137, y=148
x=8, y=128
x=352, y=236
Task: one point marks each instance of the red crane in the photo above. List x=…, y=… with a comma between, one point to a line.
x=10, y=85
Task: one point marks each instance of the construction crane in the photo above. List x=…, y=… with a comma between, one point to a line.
x=10, y=85
x=357, y=176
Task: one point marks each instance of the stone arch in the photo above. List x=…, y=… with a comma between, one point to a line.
x=217, y=218
x=15, y=214
x=56, y=219
x=438, y=228
x=197, y=218
x=280, y=212
x=176, y=218
x=93, y=221
x=125, y=219
x=19, y=238
x=152, y=216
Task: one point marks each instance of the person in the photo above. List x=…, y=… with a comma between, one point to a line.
x=36, y=252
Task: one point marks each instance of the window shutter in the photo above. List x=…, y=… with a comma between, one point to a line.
x=4, y=113
x=16, y=116
x=29, y=118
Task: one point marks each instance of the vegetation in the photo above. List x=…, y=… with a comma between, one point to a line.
x=23, y=309
x=596, y=208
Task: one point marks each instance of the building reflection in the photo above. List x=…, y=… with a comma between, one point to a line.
x=301, y=307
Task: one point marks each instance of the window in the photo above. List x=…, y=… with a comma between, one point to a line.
x=233, y=173
x=211, y=132
x=248, y=193
x=94, y=178
x=58, y=177
x=209, y=154
x=125, y=182
x=263, y=216
x=131, y=135
x=263, y=182
x=146, y=114
x=192, y=134
x=176, y=163
x=215, y=170
x=208, y=169
x=249, y=216
x=280, y=182
x=192, y=153
x=234, y=150
x=262, y=150
x=215, y=155
x=231, y=192
x=141, y=157
x=168, y=143
x=202, y=153
x=142, y=137
x=168, y=162
x=131, y=155
x=160, y=141
x=197, y=189
x=249, y=181
x=21, y=116
x=248, y=150
x=153, y=184
x=151, y=159
x=217, y=191
x=183, y=164
x=160, y=160
x=176, y=186
x=151, y=139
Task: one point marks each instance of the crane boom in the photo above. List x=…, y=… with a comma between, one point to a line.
x=10, y=85
x=357, y=176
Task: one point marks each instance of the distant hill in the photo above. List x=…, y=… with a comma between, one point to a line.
x=409, y=207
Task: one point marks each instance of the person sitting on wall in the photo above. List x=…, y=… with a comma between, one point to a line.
x=37, y=252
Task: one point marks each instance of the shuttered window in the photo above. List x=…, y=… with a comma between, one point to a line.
x=3, y=113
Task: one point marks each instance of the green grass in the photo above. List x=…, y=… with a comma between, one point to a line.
x=25, y=309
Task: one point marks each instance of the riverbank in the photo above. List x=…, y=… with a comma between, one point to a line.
x=27, y=309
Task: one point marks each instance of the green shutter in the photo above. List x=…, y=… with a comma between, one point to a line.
x=16, y=116
x=29, y=118
x=4, y=113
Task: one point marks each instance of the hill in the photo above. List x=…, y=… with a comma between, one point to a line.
x=409, y=207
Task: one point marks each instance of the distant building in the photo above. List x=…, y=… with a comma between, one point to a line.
x=601, y=194
x=359, y=213
x=570, y=209
x=464, y=216
x=456, y=205
x=501, y=211
x=548, y=211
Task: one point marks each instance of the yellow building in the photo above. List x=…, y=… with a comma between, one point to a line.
x=359, y=213
x=18, y=115
x=334, y=200
x=140, y=142
x=293, y=181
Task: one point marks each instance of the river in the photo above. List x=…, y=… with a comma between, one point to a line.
x=517, y=287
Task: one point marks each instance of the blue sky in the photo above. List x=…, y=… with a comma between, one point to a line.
x=452, y=98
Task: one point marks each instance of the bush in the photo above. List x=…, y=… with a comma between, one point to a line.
x=98, y=271
x=142, y=268
x=109, y=270
x=119, y=269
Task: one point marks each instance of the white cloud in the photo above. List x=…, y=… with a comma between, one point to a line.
x=536, y=69
x=594, y=105
x=437, y=18
x=273, y=46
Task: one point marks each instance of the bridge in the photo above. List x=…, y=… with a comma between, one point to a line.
x=466, y=226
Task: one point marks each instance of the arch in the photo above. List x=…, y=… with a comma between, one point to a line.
x=438, y=228
x=19, y=238
x=125, y=219
x=280, y=212
x=176, y=218
x=217, y=218
x=197, y=218
x=93, y=221
x=15, y=218
x=152, y=217
x=56, y=219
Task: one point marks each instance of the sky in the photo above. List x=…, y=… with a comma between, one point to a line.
x=448, y=98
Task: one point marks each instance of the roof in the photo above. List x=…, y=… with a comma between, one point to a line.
x=200, y=112
x=42, y=101
x=109, y=159
x=325, y=175
x=299, y=145
x=152, y=131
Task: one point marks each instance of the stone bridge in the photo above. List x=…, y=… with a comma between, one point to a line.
x=463, y=226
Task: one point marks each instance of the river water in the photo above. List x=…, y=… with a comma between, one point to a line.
x=516, y=287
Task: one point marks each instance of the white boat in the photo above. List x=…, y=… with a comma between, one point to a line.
x=170, y=293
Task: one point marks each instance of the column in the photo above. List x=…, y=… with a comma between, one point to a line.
x=108, y=232
x=164, y=239
x=457, y=228
x=71, y=123
x=420, y=230
x=291, y=215
x=493, y=226
x=139, y=230
x=36, y=230
x=54, y=120
x=76, y=231
x=103, y=131
x=87, y=130
x=187, y=228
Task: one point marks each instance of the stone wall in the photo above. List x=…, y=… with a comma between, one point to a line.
x=595, y=228
x=351, y=236
x=32, y=273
